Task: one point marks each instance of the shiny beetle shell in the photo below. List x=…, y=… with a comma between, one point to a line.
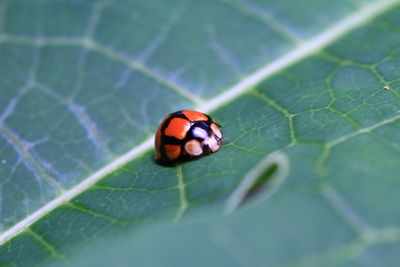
x=185, y=135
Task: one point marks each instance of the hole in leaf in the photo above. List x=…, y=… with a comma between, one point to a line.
x=260, y=182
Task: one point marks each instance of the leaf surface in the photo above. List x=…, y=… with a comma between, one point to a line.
x=83, y=94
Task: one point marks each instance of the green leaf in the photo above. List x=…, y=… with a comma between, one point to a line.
x=298, y=84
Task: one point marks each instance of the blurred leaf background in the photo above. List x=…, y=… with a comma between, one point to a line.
x=309, y=87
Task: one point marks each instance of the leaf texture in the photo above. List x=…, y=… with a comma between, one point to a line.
x=86, y=83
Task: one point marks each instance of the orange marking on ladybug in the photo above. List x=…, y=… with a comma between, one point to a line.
x=178, y=128
x=194, y=115
x=172, y=151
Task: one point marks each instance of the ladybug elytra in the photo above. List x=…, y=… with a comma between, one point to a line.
x=184, y=135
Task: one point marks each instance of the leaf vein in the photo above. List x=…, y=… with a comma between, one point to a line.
x=306, y=49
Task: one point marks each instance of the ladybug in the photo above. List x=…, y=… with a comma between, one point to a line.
x=185, y=135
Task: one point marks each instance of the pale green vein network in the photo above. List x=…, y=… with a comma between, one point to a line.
x=48, y=246
x=27, y=157
x=183, y=202
x=305, y=49
x=327, y=148
x=266, y=19
x=347, y=251
x=91, y=45
x=95, y=214
x=347, y=213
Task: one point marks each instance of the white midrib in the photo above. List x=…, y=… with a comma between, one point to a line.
x=304, y=50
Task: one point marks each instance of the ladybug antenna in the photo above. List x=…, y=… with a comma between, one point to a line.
x=225, y=139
